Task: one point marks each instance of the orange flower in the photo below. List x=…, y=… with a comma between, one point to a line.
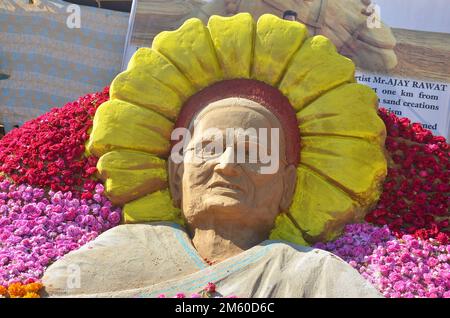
x=33, y=287
x=16, y=290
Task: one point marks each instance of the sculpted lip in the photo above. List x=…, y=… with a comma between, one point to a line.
x=221, y=184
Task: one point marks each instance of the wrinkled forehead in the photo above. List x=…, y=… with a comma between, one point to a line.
x=234, y=113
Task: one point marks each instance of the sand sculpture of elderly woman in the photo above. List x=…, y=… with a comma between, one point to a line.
x=231, y=148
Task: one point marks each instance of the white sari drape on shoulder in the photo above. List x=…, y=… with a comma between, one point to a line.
x=146, y=260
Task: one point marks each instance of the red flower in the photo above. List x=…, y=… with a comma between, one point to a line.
x=210, y=288
x=48, y=151
x=87, y=195
x=442, y=238
x=416, y=190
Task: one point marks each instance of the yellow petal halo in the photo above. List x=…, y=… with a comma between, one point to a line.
x=129, y=174
x=319, y=208
x=274, y=50
x=342, y=160
x=352, y=164
x=315, y=69
x=233, y=41
x=191, y=50
x=121, y=125
x=353, y=114
x=156, y=206
x=286, y=230
x=154, y=83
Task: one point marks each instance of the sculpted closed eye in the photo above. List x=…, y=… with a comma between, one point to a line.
x=210, y=148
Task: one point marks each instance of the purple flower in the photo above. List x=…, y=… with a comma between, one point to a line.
x=405, y=267
x=38, y=227
x=114, y=218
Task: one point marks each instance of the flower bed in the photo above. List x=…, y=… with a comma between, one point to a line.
x=48, y=151
x=19, y=290
x=37, y=228
x=416, y=193
x=51, y=203
x=398, y=267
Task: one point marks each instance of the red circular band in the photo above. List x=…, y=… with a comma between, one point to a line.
x=262, y=93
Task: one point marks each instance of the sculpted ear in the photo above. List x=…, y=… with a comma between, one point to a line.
x=175, y=181
x=289, y=183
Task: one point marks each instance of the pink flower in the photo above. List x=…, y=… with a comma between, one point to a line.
x=399, y=286
x=114, y=218
x=398, y=267
x=432, y=262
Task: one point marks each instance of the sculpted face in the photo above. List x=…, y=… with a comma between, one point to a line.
x=220, y=189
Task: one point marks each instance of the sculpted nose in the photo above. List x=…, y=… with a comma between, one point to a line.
x=226, y=164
